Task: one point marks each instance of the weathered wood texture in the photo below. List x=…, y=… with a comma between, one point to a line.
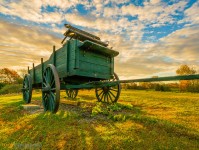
x=80, y=60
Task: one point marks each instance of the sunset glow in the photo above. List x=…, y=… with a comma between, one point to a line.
x=153, y=37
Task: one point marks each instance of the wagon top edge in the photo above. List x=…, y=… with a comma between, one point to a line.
x=81, y=35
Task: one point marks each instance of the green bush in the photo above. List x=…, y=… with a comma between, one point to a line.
x=118, y=106
x=11, y=88
x=162, y=87
x=119, y=117
x=99, y=109
x=2, y=85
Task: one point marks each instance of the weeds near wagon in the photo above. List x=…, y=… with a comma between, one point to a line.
x=115, y=112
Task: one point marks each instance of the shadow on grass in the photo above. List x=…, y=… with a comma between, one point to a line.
x=74, y=128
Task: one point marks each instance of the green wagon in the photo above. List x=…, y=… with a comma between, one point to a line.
x=83, y=62
x=82, y=59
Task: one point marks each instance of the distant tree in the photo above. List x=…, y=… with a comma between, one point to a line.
x=22, y=72
x=187, y=85
x=154, y=76
x=145, y=85
x=185, y=70
x=9, y=76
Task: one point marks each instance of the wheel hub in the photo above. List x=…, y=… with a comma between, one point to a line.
x=106, y=89
x=46, y=89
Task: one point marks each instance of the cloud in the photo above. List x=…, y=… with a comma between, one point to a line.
x=99, y=23
x=154, y=12
x=192, y=15
x=181, y=45
x=32, y=11
x=23, y=45
x=162, y=58
x=122, y=23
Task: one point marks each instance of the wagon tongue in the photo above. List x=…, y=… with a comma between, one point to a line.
x=81, y=35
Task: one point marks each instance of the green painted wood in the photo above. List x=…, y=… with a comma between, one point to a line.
x=112, y=66
x=91, y=46
x=70, y=60
x=76, y=55
x=42, y=67
x=91, y=68
x=33, y=73
x=86, y=56
x=54, y=56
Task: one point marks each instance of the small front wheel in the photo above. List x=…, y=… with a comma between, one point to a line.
x=109, y=94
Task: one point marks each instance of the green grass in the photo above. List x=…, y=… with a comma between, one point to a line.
x=141, y=120
x=10, y=88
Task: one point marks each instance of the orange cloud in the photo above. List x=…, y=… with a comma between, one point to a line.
x=22, y=45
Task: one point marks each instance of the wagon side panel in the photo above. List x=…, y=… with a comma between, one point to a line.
x=72, y=58
x=94, y=65
x=61, y=61
x=38, y=74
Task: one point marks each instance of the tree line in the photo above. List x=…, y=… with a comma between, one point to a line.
x=182, y=86
x=10, y=77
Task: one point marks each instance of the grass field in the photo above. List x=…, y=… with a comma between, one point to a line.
x=141, y=120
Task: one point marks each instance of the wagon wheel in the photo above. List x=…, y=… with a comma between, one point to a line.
x=71, y=93
x=109, y=94
x=27, y=88
x=50, y=89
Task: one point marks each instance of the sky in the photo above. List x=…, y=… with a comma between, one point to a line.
x=153, y=37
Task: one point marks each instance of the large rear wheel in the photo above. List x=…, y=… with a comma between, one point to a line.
x=50, y=89
x=109, y=94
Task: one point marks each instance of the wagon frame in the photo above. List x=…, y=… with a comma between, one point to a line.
x=81, y=51
x=82, y=60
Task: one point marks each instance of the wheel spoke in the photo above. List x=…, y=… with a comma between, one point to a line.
x=52, y=83
x=45, y=79
x=71, y=93
x=51, y=101
x=114, y=90
x=99, y=89
x=53, y=89
x=44, y=84
x=112, y=94
x=101, y=93
x=104, y=97
x=110, y=97
x=53, y=96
